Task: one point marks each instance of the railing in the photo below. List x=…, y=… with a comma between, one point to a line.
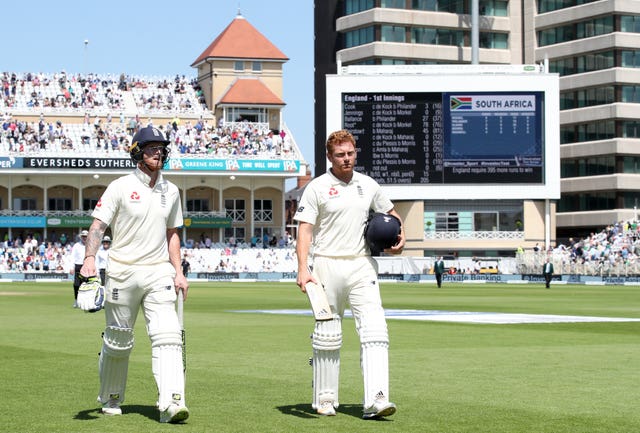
x=483, y=235
x=262, y=216
x=236, y=215
x=45, y=213
x=80, y=213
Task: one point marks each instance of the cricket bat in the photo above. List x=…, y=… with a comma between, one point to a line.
x=180, y=311
x=319, y=302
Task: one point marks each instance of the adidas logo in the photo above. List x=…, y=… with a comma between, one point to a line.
x=380, y=396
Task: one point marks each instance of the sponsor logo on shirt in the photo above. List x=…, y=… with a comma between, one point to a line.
x=333, y=192
x=134, y=197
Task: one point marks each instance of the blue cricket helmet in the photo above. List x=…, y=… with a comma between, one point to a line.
x=381, y=232
x=144, y=136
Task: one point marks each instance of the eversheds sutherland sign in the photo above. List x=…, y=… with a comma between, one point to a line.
x=82, y=163
x=175, y=164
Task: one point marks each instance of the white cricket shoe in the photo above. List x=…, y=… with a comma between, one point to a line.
x=380, y=409
x=326, y=408
x=112, y=407
x=174, y=414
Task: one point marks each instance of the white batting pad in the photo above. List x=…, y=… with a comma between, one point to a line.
x=374, y=354
x=167, y=370
x=326, y=343
x=166, y=364
x=113, y=363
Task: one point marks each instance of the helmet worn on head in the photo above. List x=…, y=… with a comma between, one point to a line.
x=145, y=136
x=382, y=232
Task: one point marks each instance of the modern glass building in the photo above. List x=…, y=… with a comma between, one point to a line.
x=593, y=45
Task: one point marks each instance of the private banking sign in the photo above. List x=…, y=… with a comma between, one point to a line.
x=254, y=166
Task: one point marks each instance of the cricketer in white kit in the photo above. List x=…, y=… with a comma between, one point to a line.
x=143, y=270
x=332, y=216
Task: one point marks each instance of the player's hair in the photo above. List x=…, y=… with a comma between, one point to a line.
x=338, y=137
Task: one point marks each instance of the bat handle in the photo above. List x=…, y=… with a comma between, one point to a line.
x=180, y=308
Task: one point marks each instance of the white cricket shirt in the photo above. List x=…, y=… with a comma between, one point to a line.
x=139, y=217
x=338, y=212
x=77, y=253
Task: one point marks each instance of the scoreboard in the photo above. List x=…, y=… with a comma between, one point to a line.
x=452, y=133
x=439, y=138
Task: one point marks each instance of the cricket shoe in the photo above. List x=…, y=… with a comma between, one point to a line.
x=380, y=409
x=326, y=408
x=112, y=407
x=174, y=414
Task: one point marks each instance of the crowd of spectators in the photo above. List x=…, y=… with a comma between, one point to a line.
x=105, y=130
x=101, y=93
x=28, y=253
x=613, y=251
x=113, y=138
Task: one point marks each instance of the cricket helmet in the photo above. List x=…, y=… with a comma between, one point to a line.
x=382, y=232
x=144, y=136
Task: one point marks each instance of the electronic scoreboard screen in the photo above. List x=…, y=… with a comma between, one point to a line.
x=432, y=138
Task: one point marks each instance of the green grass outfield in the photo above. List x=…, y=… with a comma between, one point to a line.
x=249, y=372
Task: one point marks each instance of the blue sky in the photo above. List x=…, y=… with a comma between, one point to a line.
x=158, y=38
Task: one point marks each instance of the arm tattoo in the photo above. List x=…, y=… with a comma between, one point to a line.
x=96, y=232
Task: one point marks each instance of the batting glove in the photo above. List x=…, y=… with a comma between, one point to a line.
x=91, y=295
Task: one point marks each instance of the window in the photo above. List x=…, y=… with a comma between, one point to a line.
x=630, y=59
x=587, y=63
x=494, y=40
x=446, y=222
x=392, y=4
x=453, y=6
x=587, y=202
x=493, y=8
x=235, y=209
x=424, y=5
x=393, y=34
x=198, y=205
x=260, y=233
x=552, y=5
x=355, y=6
x=256, y=66
x=24, y=204
x=89, y=203
x=241, y=114
x=578, y=30
x=631, y=164
x=421, y=35
x=61, y=204
x=359, y=37
x=238, y=66
x=630, y=24
x=631, y=94
x=235, y=232
x=631, y=129
x=262, y=211
x=510, y=221
x=485, y=221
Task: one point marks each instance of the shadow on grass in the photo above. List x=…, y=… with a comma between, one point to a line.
x=150, y=412
x=304, y=410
